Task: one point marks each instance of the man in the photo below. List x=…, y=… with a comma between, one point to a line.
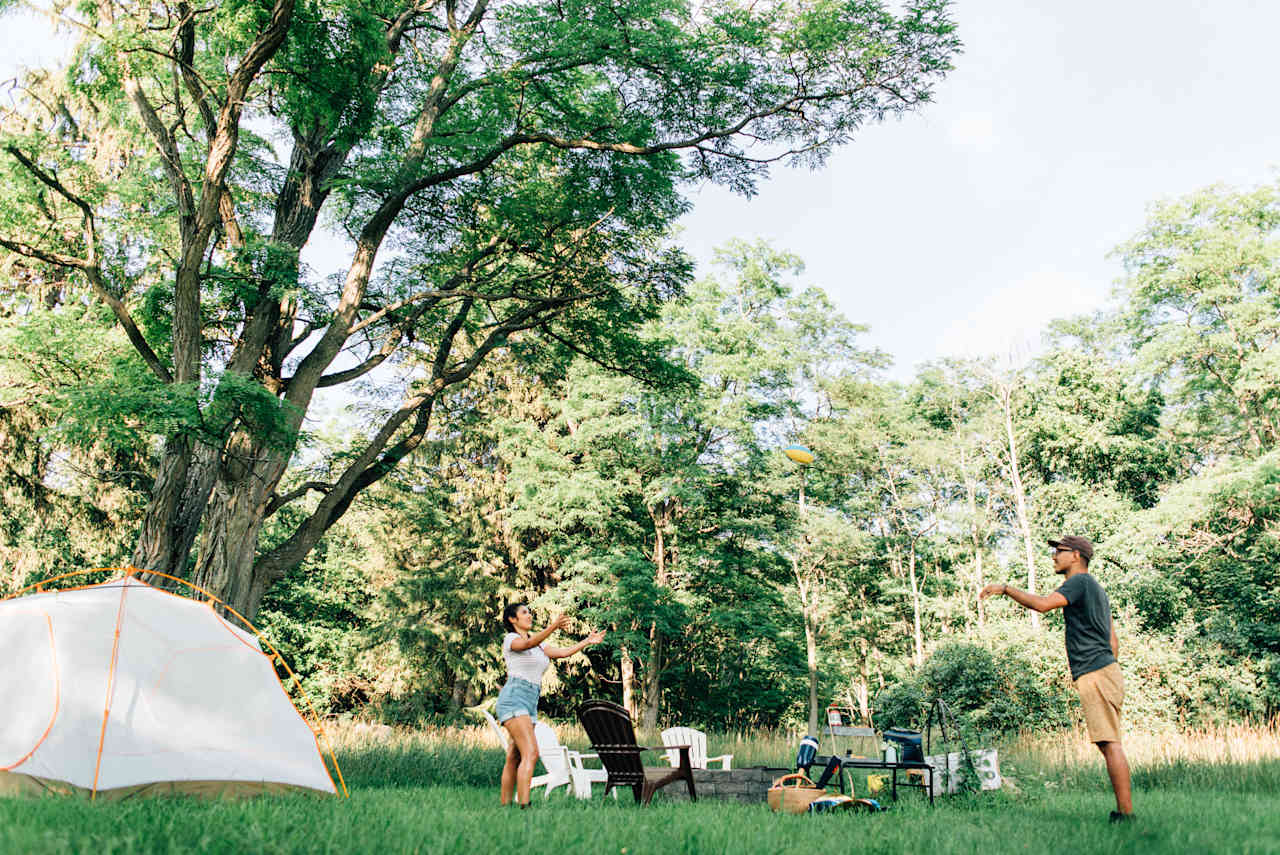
x=1092, y=648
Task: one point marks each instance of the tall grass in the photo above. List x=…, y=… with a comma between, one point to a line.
x=1236, y=758
x=456, y=750
x=1233, y=744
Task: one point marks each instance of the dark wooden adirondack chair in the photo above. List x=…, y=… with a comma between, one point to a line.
x=612, y=737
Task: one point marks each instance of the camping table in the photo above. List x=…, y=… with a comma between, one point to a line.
x=849, y=762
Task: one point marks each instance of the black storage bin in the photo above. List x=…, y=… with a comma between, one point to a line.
x=908, y=742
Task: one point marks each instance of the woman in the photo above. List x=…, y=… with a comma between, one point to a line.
x=527, y=658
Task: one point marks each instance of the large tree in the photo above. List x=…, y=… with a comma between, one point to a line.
x=496, y=166
x=1202, y=314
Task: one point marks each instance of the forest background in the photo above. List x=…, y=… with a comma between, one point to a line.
x=569, y=414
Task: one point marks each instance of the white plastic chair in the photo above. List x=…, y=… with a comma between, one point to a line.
x=497, y=728
x=697, y=742
x=564, y=766
x=582, y=776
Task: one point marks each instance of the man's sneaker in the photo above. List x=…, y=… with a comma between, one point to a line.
x=1117, y=816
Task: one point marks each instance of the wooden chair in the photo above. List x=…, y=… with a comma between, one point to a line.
x=612, y=737
x=697, y=742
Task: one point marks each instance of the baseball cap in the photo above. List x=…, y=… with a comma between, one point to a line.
x=1074, y=541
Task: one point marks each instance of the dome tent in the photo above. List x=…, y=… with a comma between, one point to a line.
x=121, y=689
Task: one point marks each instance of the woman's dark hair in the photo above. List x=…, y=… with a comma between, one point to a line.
x=509, y=615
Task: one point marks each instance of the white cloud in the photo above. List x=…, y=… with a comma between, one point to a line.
x=1013, y=318
x=975, y=131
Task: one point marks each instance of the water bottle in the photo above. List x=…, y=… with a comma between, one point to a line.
x=890, y=753
x=807, y=751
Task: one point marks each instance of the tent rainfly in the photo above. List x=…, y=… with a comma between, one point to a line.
x=122, y=689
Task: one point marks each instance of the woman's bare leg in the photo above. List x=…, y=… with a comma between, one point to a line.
x=509, y=773
x=526, y=749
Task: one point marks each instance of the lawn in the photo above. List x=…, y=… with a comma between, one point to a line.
x=438, y=793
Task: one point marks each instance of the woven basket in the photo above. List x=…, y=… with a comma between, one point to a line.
x=793, y=793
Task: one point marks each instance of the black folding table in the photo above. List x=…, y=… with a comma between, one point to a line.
x=893, y=767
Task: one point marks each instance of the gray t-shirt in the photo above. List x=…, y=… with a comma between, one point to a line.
x=1088, y=617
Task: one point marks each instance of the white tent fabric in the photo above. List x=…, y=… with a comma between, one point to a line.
x=188, y=697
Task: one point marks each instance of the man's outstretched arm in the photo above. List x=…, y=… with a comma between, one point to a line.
x=1027, y=600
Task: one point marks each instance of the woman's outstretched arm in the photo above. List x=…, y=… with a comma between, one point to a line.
x=561, y=652
x=537, y=638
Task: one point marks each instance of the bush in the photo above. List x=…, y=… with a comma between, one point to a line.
x=989, y=692
x=963, y=675
x=900, y=704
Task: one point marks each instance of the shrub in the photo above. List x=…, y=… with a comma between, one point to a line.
x=1000, y=692
x=900, y=704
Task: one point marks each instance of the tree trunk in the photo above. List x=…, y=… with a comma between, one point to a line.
x=652, y=681
x=1019, y=495
x=156, y=536
x=172, y=518
x=916, y=634
x=975, y=532
x=458, y=695
x=628, y=668
x=652, y=694
x=862, y=694
x=811, y=652
x=228, y=546
x=977, y=588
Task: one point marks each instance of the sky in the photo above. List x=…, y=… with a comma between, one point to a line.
x=964, y=228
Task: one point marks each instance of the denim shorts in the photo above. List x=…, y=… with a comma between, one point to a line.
x=518, y=697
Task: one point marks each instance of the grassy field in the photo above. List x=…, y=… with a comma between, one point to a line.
x=436, y=791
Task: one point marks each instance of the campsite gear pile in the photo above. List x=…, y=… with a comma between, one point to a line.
x=122, y=689
x=797, y=792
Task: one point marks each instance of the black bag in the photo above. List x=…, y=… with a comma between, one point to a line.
x=908, y=742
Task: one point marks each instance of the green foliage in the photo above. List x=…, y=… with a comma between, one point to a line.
x=1202, y=313
x=901, y=704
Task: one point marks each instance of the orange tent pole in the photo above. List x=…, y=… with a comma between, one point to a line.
x=111, y=687
x=57, y=701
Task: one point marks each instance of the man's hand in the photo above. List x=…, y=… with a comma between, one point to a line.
x=991, y=590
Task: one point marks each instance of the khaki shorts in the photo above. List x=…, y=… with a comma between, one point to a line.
x=1101, y=696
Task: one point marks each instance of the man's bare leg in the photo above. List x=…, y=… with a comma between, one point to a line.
x=1118, y=771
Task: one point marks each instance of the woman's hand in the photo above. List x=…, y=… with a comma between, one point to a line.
x=560, y=621
x=595, y=637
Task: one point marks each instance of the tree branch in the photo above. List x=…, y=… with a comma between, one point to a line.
x=88, y=266
x=279, y=501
